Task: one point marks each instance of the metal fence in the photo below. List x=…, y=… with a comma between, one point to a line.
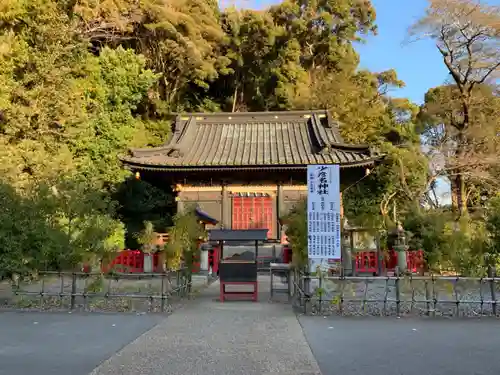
x=80, y=291
x=397, y=295
x=280, y=280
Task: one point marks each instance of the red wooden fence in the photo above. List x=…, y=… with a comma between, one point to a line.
x=367, y=261
x=130, y=261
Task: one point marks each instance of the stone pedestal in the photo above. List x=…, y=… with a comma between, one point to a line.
x=148, y=263
x=204, y=260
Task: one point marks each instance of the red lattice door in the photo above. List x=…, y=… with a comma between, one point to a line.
x=253, y=212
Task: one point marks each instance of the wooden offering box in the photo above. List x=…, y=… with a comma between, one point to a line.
x=238, y=269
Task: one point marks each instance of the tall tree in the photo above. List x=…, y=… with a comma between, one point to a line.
x=64, y=110
x=325, y=30
x=467, y=34
x=275, y=53
x=180, y=39
x=367, y=115
x=476, y=158
x=250, y=45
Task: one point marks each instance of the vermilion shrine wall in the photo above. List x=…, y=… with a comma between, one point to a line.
x=244, y=206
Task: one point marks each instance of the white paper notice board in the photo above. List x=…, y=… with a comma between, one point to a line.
x=323, y=213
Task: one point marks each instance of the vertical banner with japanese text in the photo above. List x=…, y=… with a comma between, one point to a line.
x=323, y=212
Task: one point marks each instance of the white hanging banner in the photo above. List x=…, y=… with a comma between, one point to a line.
x=323, y=212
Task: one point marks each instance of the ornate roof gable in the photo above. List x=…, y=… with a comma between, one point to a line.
x=252, y=139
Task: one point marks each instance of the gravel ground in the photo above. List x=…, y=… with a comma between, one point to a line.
x=379, y=297
x=212, y=338
x=406, y=346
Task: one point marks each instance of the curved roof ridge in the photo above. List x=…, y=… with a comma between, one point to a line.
x=251, y=114
x=334, y=129
x=318, y=132
x=274, y=142
x=186, y=134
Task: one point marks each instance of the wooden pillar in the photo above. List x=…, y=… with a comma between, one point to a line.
x=226, y=208
x=180, y=202
x=279, y=208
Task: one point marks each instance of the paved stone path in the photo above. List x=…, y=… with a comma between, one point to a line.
x=208, y=337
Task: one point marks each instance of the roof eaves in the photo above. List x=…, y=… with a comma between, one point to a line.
x=251, y=114
x=144, y=152
x=154, y=167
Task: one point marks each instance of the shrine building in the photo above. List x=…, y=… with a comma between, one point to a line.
x=248, y=169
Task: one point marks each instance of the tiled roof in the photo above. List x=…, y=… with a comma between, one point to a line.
x=252, y=140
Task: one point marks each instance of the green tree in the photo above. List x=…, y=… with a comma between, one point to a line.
x=296, y=231
x=493, y=227
x=56, y=227
x=146, y=237
x=250, y=46
x=116, y=83
x=467, y=35
x=180, y=39
x=83, y=214
x=64, y=110
x=27, y=241
x=183, y=239
x=140, y=201
x=458, y=153
x=325, y=30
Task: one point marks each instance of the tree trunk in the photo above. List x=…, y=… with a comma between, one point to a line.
x=235, y=99
x=458, y=190
x=458, y=196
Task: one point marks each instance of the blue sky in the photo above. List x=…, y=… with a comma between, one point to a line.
x=417, y=63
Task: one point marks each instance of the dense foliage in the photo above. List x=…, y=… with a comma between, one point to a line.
x=82, y=81
x=183, y=239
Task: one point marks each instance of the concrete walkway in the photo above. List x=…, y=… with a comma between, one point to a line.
x=231, y=338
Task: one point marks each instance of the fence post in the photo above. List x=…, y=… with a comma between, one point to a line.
x=162, y=292
x=73, y=291
x=289, y=284
x=271, y=278
x=296, y=282
x=398, y=291
x=320, y=291
x=178, y=282
x=379, y=255
x=492, y=275
x=190, y=283
x=354, y=263
x=427, y=298
x=307, y=290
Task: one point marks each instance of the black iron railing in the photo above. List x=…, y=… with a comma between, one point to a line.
x=152, y=292
x=397, y=295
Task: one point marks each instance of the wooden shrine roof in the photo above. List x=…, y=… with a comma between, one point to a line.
x=252, y=140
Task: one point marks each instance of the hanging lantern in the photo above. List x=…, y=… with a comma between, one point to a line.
x=137, y=176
